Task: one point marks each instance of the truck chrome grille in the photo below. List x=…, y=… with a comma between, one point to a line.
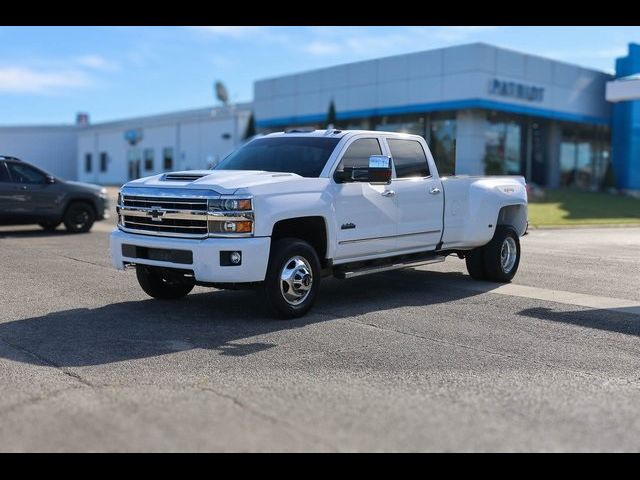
x=166, y=225
x=178, y=212
x=178, y=203
x=165, y=216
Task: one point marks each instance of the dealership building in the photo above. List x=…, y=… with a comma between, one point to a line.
x=482, y=109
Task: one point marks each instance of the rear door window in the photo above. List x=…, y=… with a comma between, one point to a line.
x=409, y=158
x=4, y=174
x=21, y=173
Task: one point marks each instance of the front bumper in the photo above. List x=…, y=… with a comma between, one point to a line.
x=206, y=256
x=103, y=208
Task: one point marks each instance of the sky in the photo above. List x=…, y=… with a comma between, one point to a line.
x=48, y=74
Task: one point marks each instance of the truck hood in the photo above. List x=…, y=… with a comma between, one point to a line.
x=225, y=182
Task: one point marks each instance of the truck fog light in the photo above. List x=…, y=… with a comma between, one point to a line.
x=230, y=258
x=229, y=226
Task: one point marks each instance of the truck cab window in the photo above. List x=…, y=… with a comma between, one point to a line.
x=358, y=153
x=409, y=158
x=21, y=173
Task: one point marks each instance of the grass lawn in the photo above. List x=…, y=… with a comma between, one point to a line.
x=569, y=207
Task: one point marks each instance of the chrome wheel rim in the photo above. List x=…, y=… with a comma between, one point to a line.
x=508, y=254
x=296, y=280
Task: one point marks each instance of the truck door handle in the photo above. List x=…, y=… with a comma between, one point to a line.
x=388, y=193
x=434, y=191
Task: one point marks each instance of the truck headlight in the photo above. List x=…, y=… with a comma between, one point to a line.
x=230, y=204
x=223, y=226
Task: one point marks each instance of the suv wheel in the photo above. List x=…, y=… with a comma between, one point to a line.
x=163, y=285
x=79, y=217
x=293, y=277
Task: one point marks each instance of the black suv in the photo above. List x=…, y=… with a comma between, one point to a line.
x=30, y=195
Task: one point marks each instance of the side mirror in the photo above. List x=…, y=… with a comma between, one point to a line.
x=379, y=169
x=378, y=172
x=50, y=179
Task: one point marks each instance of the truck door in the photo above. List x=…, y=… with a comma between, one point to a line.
x=365, y=215
x=418, y=195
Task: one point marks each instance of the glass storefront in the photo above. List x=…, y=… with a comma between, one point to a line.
x=442, y=142
x=413, y=124
x=514, y=145
x=584, y=156
x=504, y=152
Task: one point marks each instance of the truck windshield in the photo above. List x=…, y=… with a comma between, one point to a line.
x=305, y=156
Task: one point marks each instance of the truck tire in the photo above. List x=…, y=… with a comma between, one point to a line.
x=79, y=217
x=475, y=264
x=159, y=285
x=502, y=255
x=49, y=226
x=293, y=277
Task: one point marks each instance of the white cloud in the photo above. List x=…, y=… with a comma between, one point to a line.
x=14, y=79
x=327, y=41
x=320, y=47
x=459, y=33
x=97, y=62
x=229, y=31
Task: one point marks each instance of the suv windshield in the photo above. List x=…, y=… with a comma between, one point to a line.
x=305, y=156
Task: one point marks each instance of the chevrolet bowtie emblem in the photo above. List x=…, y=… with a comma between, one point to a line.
x=156, y=215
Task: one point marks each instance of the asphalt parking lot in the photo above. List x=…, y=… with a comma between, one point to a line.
x=412, y=360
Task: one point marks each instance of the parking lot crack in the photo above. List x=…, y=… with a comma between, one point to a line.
x=272, y=419
x=86, y=261
x=45, y=361
x=477, y=349
x=36, y=399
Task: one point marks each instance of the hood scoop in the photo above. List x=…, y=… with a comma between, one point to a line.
x=182, y=177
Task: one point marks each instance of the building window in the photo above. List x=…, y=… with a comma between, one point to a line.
x=584, y=156
x=413, y=124
x=442, y=142
x=104, y=160
x=167, y=158
x=503, y=148
x=87, y=162
x=148, y=159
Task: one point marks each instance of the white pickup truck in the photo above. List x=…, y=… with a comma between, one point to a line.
x=286, y=209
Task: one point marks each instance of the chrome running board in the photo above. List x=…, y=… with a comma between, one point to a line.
x=345, y=274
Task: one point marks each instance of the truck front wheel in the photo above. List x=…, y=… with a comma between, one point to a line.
x=293, y=277
x=163, y=285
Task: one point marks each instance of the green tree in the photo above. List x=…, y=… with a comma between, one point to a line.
x=251, y=127
x=609, y=180
x=331, y=115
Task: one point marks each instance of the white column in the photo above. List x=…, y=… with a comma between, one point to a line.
x=470, y=142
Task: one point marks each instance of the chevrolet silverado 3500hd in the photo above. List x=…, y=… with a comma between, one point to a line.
x=287, y=209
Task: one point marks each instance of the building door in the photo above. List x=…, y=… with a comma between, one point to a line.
x=134, y=160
